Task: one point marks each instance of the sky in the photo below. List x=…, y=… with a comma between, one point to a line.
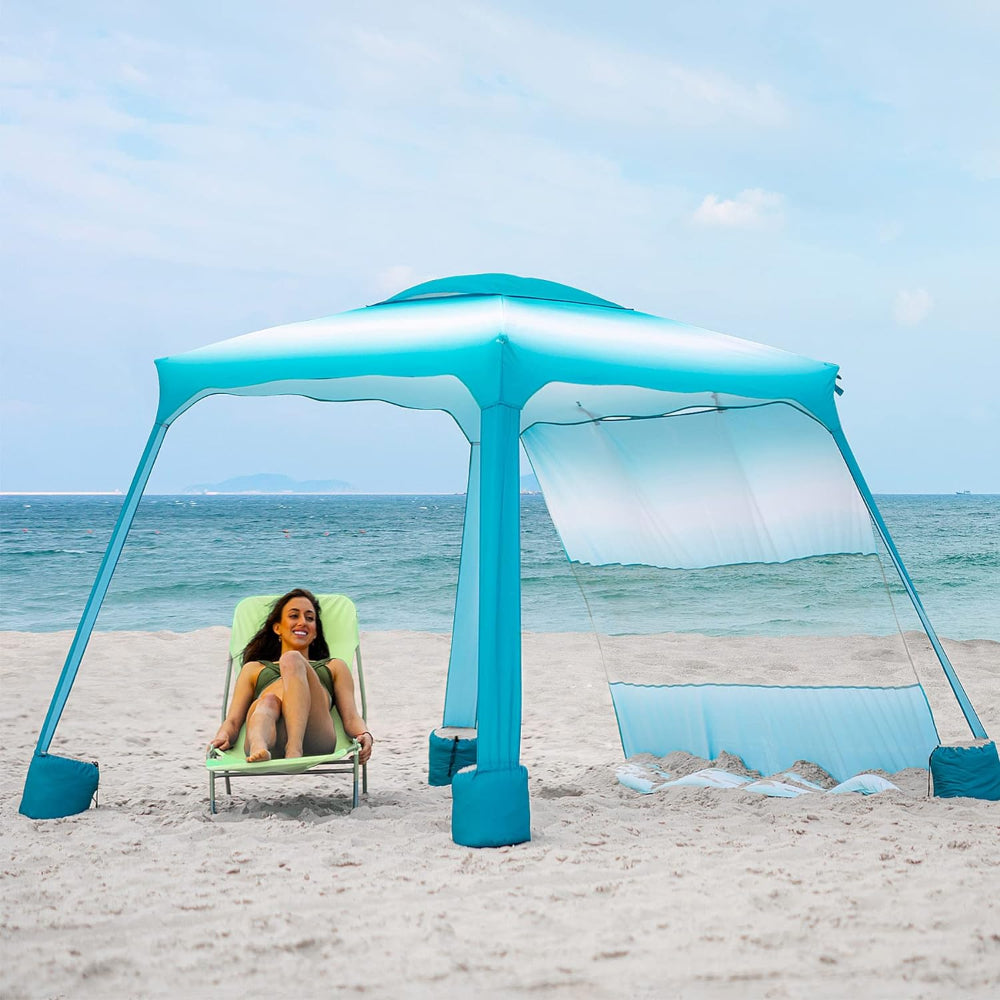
x=824, y=178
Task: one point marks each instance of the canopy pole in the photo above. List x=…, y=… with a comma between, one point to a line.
x=490, y=802
x=100, y=588
x=975, y=726
x=461, y=690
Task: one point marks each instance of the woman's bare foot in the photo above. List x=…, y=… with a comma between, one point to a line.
x=257, y=754
x=292, y=752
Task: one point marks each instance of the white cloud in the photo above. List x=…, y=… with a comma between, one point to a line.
x=752, y=208
x=593, y=79
x=312, y=166
x=911, y=306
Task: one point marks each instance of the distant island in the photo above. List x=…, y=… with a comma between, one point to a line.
x=267, y=482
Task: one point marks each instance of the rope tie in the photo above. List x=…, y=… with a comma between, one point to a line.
x=593, y=624
x=892, y=605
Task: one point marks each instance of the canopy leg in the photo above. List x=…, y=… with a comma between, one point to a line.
x=460, y=693
x=39, y=781
x=463, y=662
x=490, y=802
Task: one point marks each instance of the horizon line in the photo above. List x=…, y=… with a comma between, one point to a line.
x=373, y=493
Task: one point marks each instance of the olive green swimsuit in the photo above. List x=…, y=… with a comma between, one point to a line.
x=270, y=672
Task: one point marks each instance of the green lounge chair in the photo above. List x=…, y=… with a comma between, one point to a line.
x=340, y=627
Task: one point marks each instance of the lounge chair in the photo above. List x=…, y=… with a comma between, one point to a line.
x=340, y=627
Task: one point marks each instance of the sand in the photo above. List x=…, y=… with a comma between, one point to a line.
x=683, y=893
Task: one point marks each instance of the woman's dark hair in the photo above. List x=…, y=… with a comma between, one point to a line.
x=266, y=645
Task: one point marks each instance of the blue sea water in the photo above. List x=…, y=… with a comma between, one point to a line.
x=189, y=559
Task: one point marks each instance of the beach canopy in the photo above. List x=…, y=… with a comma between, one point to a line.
x=654, y=442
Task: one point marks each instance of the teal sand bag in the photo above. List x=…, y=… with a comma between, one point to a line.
x=490, y=808
x=970, y=772
x=449, y=750
x=58, y=786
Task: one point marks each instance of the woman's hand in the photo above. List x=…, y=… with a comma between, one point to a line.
x=367, y=741
x=225, y=736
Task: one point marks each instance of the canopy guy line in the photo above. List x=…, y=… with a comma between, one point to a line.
x=895, y=615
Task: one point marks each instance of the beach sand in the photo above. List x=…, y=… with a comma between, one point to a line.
x=688, y=892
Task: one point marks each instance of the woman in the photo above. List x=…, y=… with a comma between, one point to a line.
x=284, y=696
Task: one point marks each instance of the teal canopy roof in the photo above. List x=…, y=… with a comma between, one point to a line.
x=500, y=284
x=464, y=343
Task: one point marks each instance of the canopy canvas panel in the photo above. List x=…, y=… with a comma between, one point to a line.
x=764, y=694
x=845, y=730
x=701, y=487
x=502, y=355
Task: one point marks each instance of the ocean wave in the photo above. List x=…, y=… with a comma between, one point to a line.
x=138, y=592
x=977, y=560
x=35, y=553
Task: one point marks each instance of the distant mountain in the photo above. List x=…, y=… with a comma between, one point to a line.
x=267, y=482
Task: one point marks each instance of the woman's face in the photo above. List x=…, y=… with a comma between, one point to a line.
x=297, y=626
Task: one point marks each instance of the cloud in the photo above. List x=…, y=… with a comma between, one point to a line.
x=593, y=79
x=752, y=208
x=143, y=146
x=911, y=306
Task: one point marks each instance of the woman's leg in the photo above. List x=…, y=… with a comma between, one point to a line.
x=305, y=708
x=295, y=700
x=262, y=726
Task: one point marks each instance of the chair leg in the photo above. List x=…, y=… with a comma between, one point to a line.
x=211, y=793
x=364, y=779
x=229, y=791
x=354, y=797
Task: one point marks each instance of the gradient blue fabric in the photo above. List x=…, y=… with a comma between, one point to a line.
x=692, y=489
x=846, y=730
x=463, y=352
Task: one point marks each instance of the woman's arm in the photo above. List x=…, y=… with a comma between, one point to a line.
x=354, y=724
x=238, y=707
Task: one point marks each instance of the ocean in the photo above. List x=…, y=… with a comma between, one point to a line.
x=189, y=559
